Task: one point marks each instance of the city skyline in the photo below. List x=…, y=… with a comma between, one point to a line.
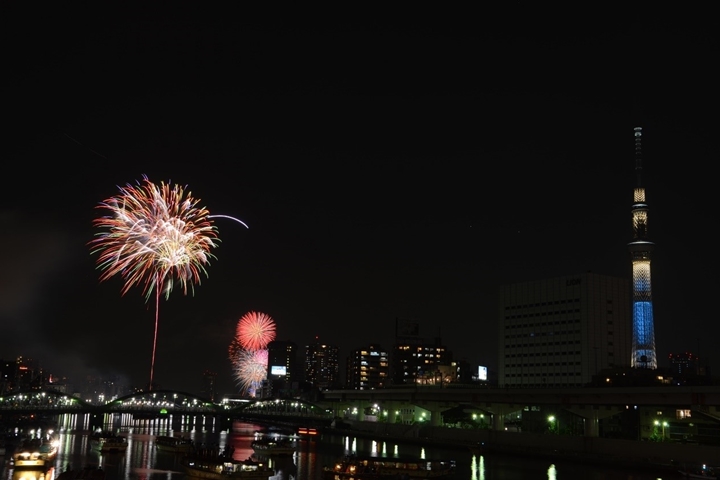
x=385, y=169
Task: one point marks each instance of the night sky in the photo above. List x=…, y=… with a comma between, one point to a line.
x=388, y=166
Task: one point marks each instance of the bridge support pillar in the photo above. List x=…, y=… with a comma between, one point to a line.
x=390, y=410
x=392, y=415
x=591, y=417
x=592, y=424
x=361, y=410
x=498, y=420
x=436, y=418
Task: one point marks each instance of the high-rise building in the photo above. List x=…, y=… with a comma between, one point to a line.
x=321, y=365
x=29, y=374
x=283, y=372
x=415, y=359
x=562, y=331
x=208, y=385
x=8, y=376
x=643, y=339
x=424, y=363
x=368, y=368
x=684, y=364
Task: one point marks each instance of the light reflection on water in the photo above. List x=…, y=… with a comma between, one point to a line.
x=477, y=468
x=141, y=461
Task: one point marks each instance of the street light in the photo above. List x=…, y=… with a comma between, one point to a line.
x=554, y=424
x=664, y=424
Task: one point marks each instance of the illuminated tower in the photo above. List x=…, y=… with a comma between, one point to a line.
x=643, y=340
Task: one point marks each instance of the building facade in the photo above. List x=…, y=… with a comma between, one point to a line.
x=416, y=360
x=209, y=390
x=368, y=368
x=321, y=365
x=562, y=331
x=422, y=363
x=283, y=371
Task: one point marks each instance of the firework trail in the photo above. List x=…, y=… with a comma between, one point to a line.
x=154, y=236
x=231, y=218
x=250, y=369
x=255, y=330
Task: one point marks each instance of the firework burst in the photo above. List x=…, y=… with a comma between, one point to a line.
x=255, y=330
x=250, y=369
x=154, y=236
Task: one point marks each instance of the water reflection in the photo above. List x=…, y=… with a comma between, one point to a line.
x=284, y=466
x=477, y=468
x=552, y=474
x=25, y=474
x=142, y=461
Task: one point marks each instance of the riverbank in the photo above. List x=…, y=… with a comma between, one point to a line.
x=624, y=453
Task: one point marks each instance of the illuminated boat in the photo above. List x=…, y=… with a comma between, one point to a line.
x=273, y=445
x=360, y=468
x=108, y=443
x=164, y=443
x=35, y=453
x=33, y=473
x=214, y=467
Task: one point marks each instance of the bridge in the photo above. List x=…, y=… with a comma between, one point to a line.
x=51, y=402
x=590, y=404
x=157, y=403
x=428, y=405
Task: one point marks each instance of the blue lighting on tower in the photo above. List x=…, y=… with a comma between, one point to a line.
x=643, y=344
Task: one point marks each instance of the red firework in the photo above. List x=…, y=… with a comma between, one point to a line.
x=255, y=330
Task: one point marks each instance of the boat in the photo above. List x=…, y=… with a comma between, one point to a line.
x=108, y=443
x=699, y=471
x=44, y=473
x=174, y=444
x=221, y=467
x=273, y=445
x=35, y=453
x=359, y=468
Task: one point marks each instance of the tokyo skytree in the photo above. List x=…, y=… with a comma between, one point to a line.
x=643, y=339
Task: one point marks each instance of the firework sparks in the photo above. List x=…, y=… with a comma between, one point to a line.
x=154, y=236
x=250, y=369
x=255, y=330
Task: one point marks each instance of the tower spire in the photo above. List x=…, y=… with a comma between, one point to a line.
x=643, y=342
x=638, y=155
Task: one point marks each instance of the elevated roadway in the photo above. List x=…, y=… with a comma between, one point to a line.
x=590, y=403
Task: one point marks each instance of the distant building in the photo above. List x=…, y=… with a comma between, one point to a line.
x=415, y=360
x=368, y=368
x=421, y=363
x=562, y=331
x=684, y=364
x=29, y=375
x=321, y=365
x=688, y=369
x=284, y=373
x=8, y=376
x=208, y=385
x=466, y=373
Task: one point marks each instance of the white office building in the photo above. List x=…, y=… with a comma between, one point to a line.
x=562, y=331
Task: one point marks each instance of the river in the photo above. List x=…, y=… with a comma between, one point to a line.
x=142, y=461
